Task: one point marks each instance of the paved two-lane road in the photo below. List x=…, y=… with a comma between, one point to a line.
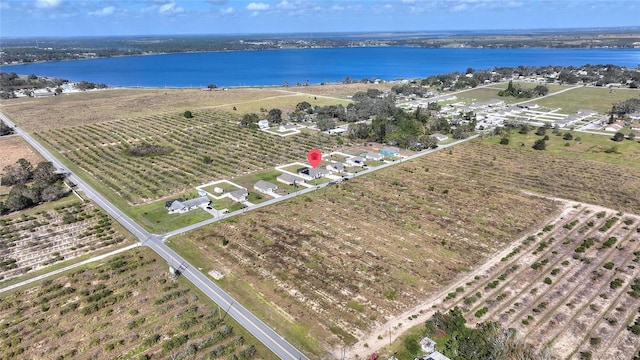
x=255, y=326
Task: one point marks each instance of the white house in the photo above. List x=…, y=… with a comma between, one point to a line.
x=336, y=167
x=239, y=195
x=265, y=187
x=374, y=156
x=263, y=124
x=616, y=126
x=183, y=206
x=355, y=161
x=287, y=127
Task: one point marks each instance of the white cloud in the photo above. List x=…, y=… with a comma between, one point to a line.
x=104, y=12
x=48, y=4
x=227, y=11
x=170, y=8
x=257, y=6
x=4, y=6
x=460, y=7
x=337, y=8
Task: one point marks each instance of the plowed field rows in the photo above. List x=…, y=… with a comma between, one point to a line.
x=100, y=150
x=557, y=289
x=29, y=242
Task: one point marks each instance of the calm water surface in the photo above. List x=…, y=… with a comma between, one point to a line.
x=274, y=67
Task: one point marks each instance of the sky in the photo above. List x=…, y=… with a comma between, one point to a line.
x=65, y=18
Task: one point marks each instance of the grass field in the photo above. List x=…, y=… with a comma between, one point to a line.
x=589, y=147
x=124, y=307
x=92, y=107
x=593, y=98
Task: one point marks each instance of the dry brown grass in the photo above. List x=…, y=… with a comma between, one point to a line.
x=343, y=260
x=91, y=107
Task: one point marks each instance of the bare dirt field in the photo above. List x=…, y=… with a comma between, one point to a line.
x=342, y=261
x=93, y=107
x=353, y=259
x=125, y=307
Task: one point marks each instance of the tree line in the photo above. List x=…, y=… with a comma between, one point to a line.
x=45, y=185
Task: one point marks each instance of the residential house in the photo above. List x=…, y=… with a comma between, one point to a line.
x=440, y=137
x=616, y=126
x=634, y=115
x=265, y=187
x=183, y=206
x=287, y=127
x=239, y=195
x=263, y=124
x=336, y=167
x=355, y=161
x=313, y=173
x=374, y=156
x=390, y=151
x=436, y=355
x=289, y=179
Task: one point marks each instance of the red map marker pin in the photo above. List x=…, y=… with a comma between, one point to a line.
x=314, y=156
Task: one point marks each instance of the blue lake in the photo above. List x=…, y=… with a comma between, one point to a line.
x=274, y=67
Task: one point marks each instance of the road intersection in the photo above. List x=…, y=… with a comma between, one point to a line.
x=244, y=317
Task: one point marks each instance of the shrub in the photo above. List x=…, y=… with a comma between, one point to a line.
x=547, y=281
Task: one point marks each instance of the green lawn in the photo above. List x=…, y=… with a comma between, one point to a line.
x=594, y=98
x=222, y=185
x=318, y=181
x=155, y=218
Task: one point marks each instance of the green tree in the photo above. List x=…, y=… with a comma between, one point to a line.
x=504, y=141
x=541, y=131
x=618, y=136
x=303, y=106
x=250, y=120
x=325, y=123
x=212, y=86
x=540, y=144
x=567, y=136
x=187, y=114
x=275, y=116
x=46, y=172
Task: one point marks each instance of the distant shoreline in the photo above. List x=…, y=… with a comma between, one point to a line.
x=20, y=51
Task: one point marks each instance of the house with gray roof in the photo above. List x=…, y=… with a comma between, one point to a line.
x=239, y=195
x=265, y=187
x=289, y=179
x=312, y=173
x=336, y=167
x=182, y=206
